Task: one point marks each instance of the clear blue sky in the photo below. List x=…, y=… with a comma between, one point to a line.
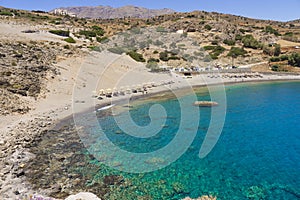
x=262, y=9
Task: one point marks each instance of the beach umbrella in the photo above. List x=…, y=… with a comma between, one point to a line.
x=128, y=90
x=101, y=92
x=108, y=91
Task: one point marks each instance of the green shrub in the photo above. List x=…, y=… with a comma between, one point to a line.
x=215, y=49
x=14, y=63
x=229, y=42
x=271, y=30
x=290, y=34
x=274, y=59
x=218, y=50
x=6, y=13
x=117, y=50
x=208, y=48
x=236, y=51
x=250, y=42
x=275, y=68
x=284, y=57
x=207, y=27
x=213, y=56
x=136, y=56
x=102, y=39
x=95, y=48
x=87, y=34
x=214, y=42
x=174, y=58
x=153, y=60
x=267, y=50
x=294, y=60
x=277, y=50
x=163, y=56
x=70, y=40
x=238, y=37
x=98, y=30
x=242, y=30
x=60, y=33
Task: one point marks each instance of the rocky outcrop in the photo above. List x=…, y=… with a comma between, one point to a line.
x=24, y=70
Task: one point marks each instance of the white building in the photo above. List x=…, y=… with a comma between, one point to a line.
x=63, y=12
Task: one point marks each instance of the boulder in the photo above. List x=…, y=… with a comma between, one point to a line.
x=83, y=196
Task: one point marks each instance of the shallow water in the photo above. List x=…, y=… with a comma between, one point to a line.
x=256, y=157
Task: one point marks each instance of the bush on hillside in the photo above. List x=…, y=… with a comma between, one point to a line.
x=136, y=56
x=207, y=27
x=87, y=34
x=60, y=33
x=271, y=30
x=236, y=51
x=229, y=42
x=102, y=39
x=294, y=60
x=6, y=13
x=70, y=40
x=250, y=42
x=98, y=30
x=117, y=50
x=163, y=56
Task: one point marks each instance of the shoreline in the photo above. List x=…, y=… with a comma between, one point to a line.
x=165, y=92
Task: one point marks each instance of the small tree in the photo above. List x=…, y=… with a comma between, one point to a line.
x=207, y=27
x=163, y=56
x=294, y=60
x=277, y=50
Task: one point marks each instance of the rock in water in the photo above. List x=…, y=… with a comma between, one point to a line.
x=205, y=103
x=83, y=196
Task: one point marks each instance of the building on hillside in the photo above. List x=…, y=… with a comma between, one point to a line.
x=63, y=12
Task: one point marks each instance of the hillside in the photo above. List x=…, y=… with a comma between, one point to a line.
x=107, y=12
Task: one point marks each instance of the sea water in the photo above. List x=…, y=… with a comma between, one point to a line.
x=256, y=157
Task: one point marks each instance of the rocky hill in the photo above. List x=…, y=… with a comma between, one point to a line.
x=107, y=12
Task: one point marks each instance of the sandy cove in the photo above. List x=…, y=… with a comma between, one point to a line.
x=18, y=131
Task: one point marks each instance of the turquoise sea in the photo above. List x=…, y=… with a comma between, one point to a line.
x=256, y=157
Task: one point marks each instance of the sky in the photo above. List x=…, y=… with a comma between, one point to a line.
x=261, y=9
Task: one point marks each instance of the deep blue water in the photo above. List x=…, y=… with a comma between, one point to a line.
x=256, y=157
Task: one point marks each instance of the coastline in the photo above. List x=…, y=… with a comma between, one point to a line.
x=17, y=152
